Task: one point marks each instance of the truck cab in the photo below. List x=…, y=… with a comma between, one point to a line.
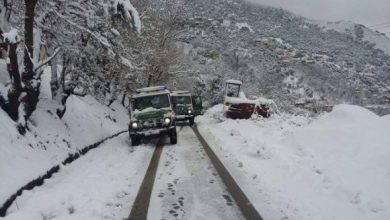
x=152, y=115
x=237, y=106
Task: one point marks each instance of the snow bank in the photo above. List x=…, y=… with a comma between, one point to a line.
x=50, y=139
x=334, y=167
x=101, y=185
x=16, y=155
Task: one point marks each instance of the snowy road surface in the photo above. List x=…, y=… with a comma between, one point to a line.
x=187, y=185
x=101, y=185
x=104, y=183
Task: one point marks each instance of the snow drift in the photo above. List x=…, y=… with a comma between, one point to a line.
x=50, y=139
x=292, y=167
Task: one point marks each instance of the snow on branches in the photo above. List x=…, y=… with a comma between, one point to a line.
x=127, y=10
x=12, y=36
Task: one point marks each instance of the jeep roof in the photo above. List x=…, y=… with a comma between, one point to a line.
x=181, y=93
x=151, y=91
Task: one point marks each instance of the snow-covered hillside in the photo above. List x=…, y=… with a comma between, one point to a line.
x=50, y=140
x=263, y=46
x=335, y=166
x=359, y=32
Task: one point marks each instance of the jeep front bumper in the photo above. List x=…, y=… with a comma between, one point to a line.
x=183, y=117
x=152, y=132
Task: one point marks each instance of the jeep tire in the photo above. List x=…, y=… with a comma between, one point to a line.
x=191, y=121
x=173, y=136
x=135, y=140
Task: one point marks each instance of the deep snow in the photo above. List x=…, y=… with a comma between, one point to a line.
x=101, y=185
x=333, y=167
x=50, y=139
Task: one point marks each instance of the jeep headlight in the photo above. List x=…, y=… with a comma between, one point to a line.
x=134, y=125
x=189, y=111
x=167, y=121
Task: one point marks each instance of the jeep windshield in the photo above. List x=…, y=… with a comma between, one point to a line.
x=181, y=100
x=156, y=102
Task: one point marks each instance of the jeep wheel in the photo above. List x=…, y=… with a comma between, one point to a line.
x=191, y=120
x=173, y=137
x=135, y=140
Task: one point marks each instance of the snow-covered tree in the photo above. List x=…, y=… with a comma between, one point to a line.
x=81, y=33
x=159, y=57
x=91, y=46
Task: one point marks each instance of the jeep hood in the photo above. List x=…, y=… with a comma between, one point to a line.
x=151, y=113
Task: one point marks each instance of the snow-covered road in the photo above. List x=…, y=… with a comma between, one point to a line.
x=187, y=185
x=101, y=185
x=104, y=183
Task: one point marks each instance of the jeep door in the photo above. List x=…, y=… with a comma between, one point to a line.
x=197, y=105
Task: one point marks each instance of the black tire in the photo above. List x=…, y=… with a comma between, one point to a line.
x=135, y=140
x=191, y=120
x=173, y=137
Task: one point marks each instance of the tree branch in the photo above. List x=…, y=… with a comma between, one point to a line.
x=48, y=59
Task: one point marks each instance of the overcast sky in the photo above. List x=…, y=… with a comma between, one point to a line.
x=367, y=12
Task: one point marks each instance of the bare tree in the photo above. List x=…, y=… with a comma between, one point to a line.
x=158, y=53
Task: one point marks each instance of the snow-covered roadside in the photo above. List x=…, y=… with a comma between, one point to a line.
x=50, y=139
x=101, y=185
x=333, y=167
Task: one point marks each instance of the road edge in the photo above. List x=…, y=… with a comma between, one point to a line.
x=246, y=207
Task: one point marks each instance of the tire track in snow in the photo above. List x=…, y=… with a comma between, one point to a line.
x=181, y=189
x=247, y=208
x=141, y=203
x=187, y=185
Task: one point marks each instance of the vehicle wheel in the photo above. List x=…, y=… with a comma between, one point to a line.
x=173, y=137
x=191, y=120
x=135, y=141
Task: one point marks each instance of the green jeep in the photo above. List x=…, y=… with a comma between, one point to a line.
x=186, y=106
x=151, y=115
x=197, y=105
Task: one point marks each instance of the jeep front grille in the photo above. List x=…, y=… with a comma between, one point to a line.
x=153, y=123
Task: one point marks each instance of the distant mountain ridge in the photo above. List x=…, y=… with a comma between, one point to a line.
x=380, y=40
x=282, y=56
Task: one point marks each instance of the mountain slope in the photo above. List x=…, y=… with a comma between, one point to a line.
x=279, y=55
x=359, y=32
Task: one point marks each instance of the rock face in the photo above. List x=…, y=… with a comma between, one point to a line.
x=280, y=55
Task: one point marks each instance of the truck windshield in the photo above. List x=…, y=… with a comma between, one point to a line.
x=157, y=102
x=180, y=100
x=232, y=90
